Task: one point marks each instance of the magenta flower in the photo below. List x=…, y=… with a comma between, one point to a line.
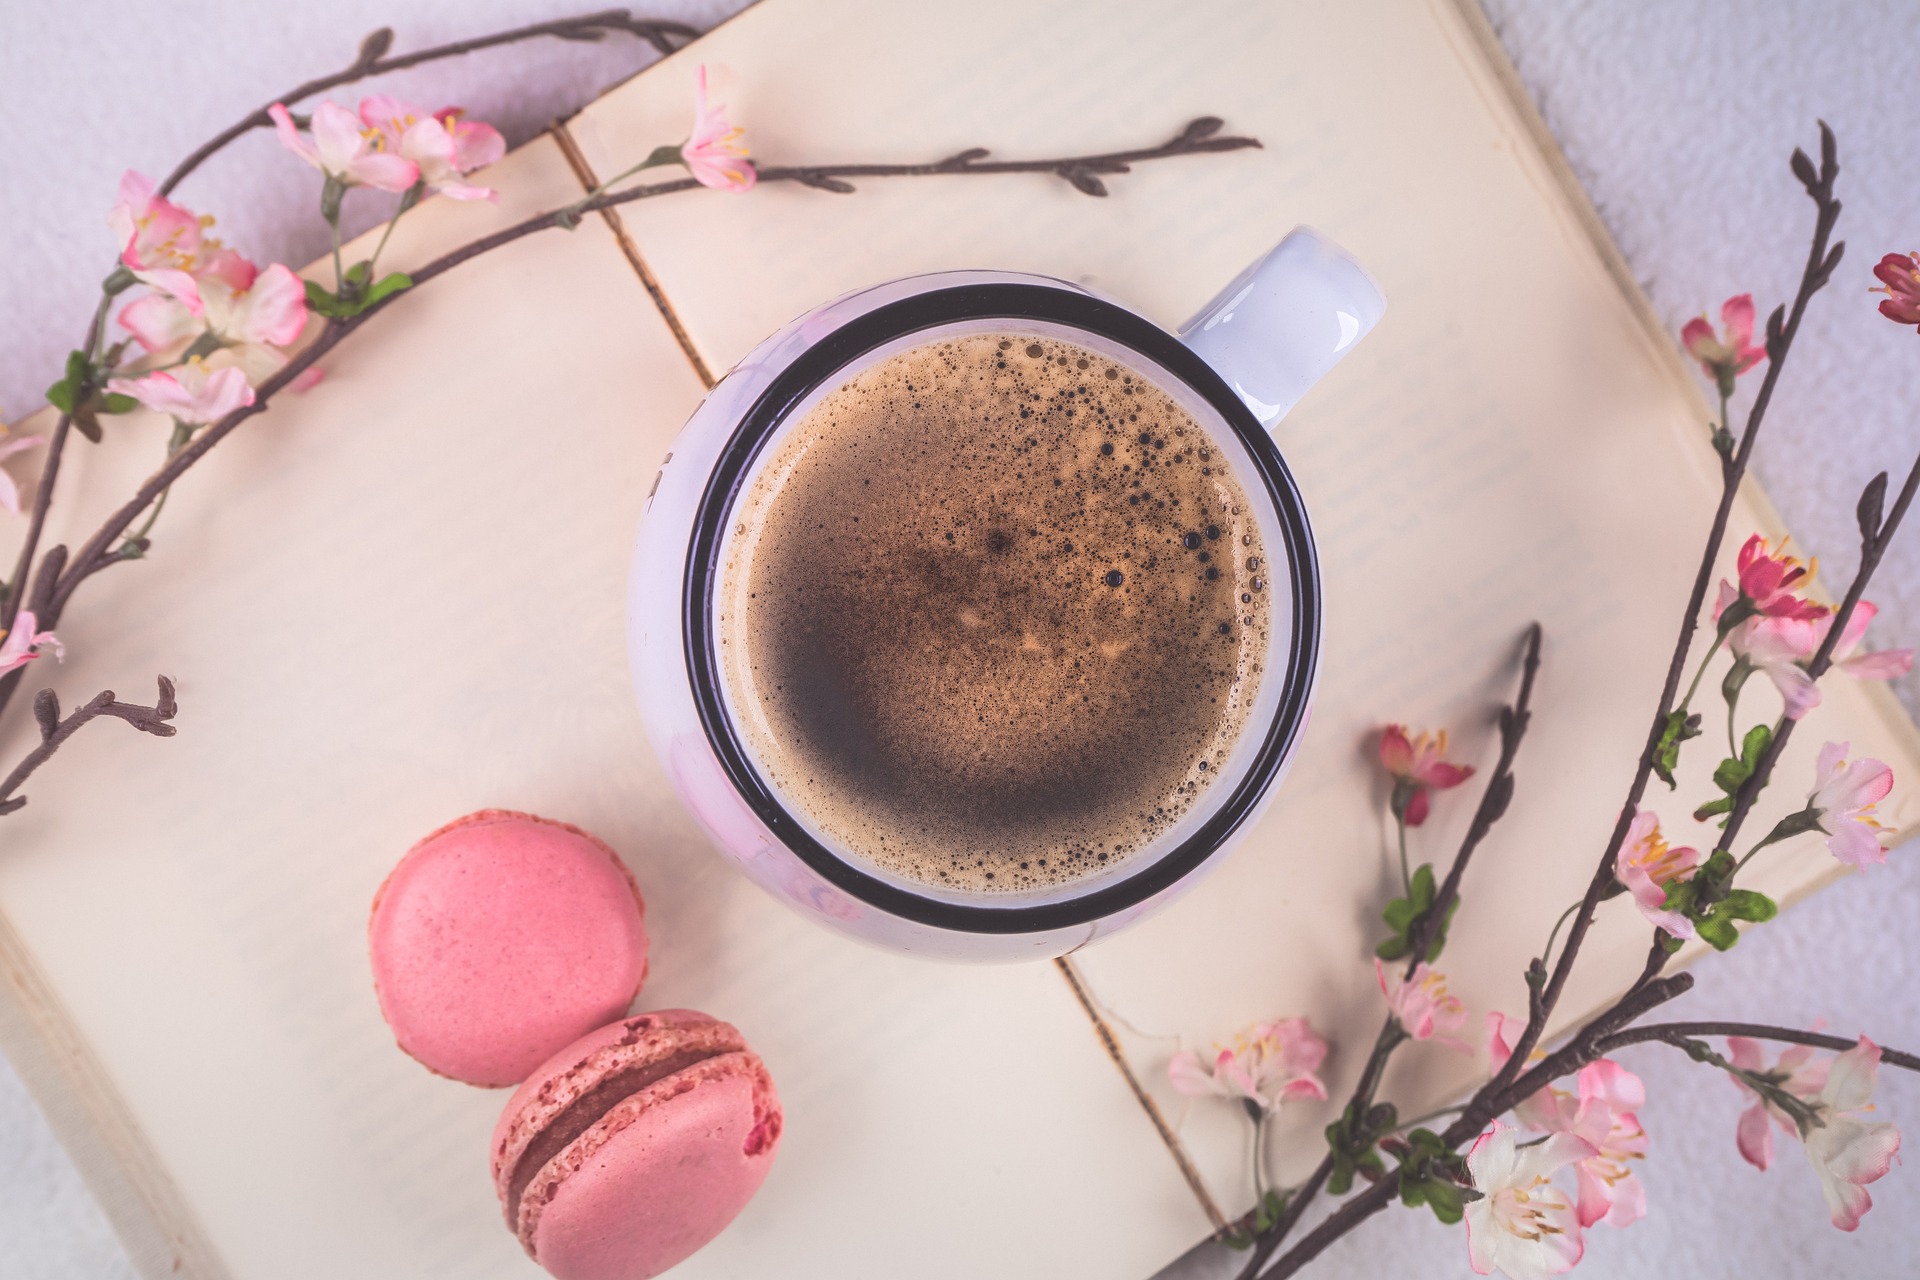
x=1847, y=1151
x=1797, y=1071
x=1418, y=766
x=1724, y=358
x=1608, y=1121
x=9, y=491
x=1423, y=1006
x=1645, y=866
x=162, y=243
x=1523, y=1226
x=443, y=146
x=21, y=645
x=191, y=393
x=1843, y=802
x=1268, y=1064
x=1899, y=275
x=1767, y=582
x=714, y=153
x=343, y=150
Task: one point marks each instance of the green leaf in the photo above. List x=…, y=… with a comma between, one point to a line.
x=1445, y=1201
x=324, y=303
x=357, y=273
x=386, y=287
x=63, y=395
x=1718, y=932
x=1722, y=805
x=1402, y=914
x=114, y=402
x=1729, y=774
x=1733, y=772
x=1746, y=904
x=1666, y=753
x=1269, y=1212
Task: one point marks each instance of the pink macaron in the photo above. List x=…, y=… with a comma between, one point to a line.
x=499, y=939
x=635, y=1145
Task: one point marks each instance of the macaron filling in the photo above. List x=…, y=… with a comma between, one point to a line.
x=590, y=1108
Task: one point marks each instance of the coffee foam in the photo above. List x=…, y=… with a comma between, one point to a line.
x=995, y=612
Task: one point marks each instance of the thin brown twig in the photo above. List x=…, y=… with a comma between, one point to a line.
x=372, y=60
x=54, y=731
x=1675, y=1032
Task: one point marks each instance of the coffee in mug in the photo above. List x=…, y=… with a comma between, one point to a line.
x=994, y=613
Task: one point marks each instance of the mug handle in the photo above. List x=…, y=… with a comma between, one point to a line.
x=1285, y=321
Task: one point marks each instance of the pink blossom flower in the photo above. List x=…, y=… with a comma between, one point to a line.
x=192, y=393
x=714, y=153
x=444, y=146
x=343, y=150
x=1843, y=801
x=252, y=320
x=1424, y=1007
x=1900, y=280
x=1548, y=1110
x=1604, y=1114
x=1523, y=1226
x=1767, y=582
x=1608, y=1121
x=1724, y=358
x=1797, y=1071
x=1781, y=647
x=1269, y=1063
x=20, y=646
x=1645, y=866
x=1845, y=1150
x=1418, y=765
x=9, y=491
x=161, y=243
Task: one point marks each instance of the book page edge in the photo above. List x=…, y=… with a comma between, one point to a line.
x=153, y=1222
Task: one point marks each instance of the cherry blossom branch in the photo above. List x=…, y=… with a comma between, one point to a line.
x=59, y=579
x=54, y=730
x=1609, y=1030
x=372, y=60
x=1494, y=800
x=1875, y=535
x=1384, y=1192
x=1675, y=1033
x=1782, y=327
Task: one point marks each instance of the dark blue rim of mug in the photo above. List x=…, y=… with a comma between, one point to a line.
x=847, y=344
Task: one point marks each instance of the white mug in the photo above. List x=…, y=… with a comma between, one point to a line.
x=1236, y=367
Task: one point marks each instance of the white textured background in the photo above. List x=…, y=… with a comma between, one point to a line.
x=1677, y=119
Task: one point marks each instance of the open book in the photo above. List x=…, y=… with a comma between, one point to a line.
x=399, y=598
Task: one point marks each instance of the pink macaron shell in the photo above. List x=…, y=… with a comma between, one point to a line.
x=658, y=1174
x=499, y=939
x=659, y=1184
